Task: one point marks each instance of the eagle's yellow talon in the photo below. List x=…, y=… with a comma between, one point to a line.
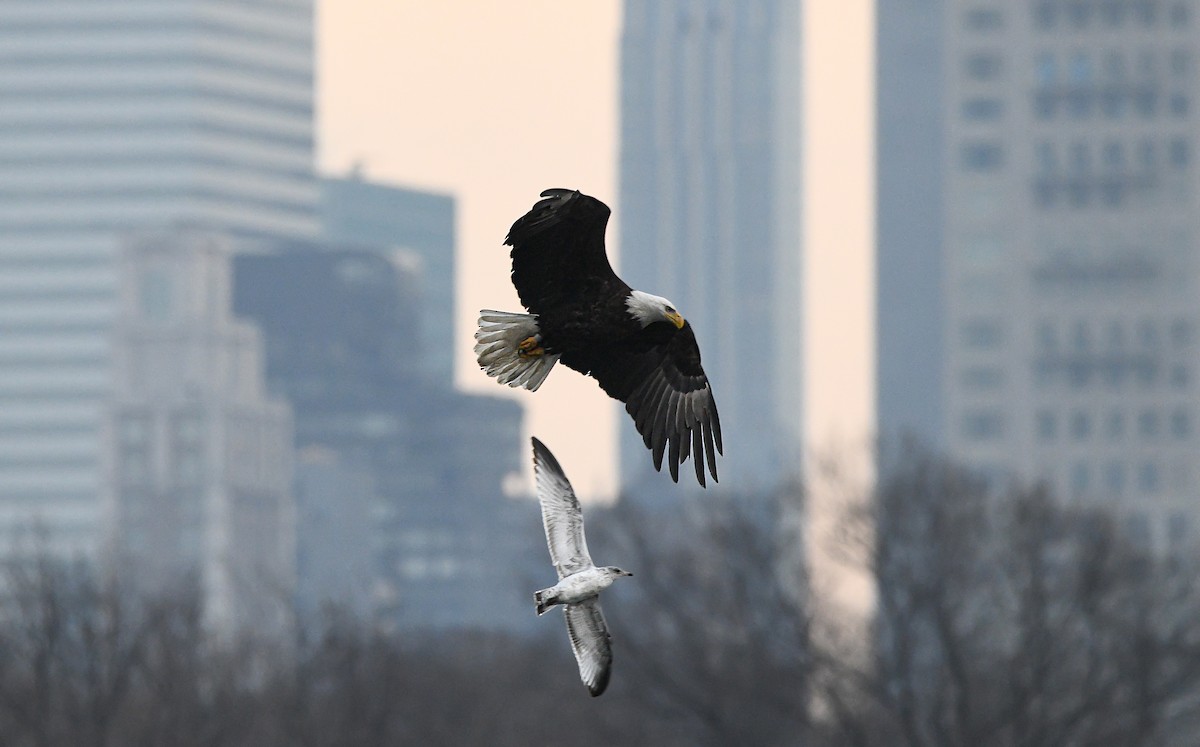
x=529, y=348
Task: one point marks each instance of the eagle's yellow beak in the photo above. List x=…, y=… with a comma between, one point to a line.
x=676, y=319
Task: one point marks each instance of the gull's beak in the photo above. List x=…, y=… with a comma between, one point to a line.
x=628, y=573
x=676, y=319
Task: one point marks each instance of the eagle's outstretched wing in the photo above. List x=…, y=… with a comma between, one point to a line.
x=558, y=254
x=669, y=398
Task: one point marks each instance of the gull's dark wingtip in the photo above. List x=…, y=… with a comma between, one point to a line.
x=597, y=688
x=544, y=458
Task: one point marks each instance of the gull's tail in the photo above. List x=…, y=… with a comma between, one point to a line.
x=508, y=347
x=544, y=600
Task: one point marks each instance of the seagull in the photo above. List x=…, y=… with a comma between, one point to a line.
x=579, y=580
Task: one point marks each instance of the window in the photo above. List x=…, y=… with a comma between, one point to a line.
x=1148, y=424
x=1147, y=65
x=1181, y=63
x=1147, y=372
x=982, y=425
x=984, y=19
x=1179, y=15
x=982, y=109
x=981, y=157
x=1045, y=14
x=1114, y=477
x=155, y=295
x=1137, y=527
x=1045, y=104
x=1181, y=425
x=1081, y=158
x=1147, y=156
x=1114, y=65
x=1113, y=102
x=1114, y=156
x=1080, y=477
x=1078, y=12
x=1047, y=425
x=1047, y=336
x=1148, y=333
x=982, y=334
x=1081, y=69
x=1149, y=479
x=1081, y=336
x=1116, y=335
x=1114, y=12
x=983, y=65
x=1177, y=528
x=1180, y=376
x=1081, y=425
x=1181, y=333
x=1046, y=157
x=1114, y=372
x=1047, y=69
x=1179, y=104
x=1178, y=149
x=1145, y=99
x=1146, y=12
x=1115, y=425
x=982, y=378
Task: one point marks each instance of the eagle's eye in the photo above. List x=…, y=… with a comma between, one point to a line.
x=670, y=309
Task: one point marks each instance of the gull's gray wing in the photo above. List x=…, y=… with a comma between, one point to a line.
x=561, y=515
x=591, y=643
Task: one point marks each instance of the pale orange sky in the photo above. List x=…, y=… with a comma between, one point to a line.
x=492, y=102
x=495, y=101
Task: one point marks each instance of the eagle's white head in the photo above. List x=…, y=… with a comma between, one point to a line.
x=648, y=309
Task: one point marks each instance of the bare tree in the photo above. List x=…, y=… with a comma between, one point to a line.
x=71, y=649
x=1006, y=619
x=714, y=634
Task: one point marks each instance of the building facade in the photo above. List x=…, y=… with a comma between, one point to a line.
x=1072, y=270
x=410, y=226
x=119, y=116
x=444, y=537
x=199, y=456
x=709, y=210
x=910, y=143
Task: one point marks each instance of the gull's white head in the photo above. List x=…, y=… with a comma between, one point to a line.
x=648, y=309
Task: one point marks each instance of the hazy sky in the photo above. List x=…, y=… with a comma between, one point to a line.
x=495, y=101
x=492, y=102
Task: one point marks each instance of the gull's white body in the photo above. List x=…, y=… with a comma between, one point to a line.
x=582, y=585
x=579, y=580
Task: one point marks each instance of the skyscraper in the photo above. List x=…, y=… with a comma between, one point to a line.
x=440, y=529
x=1072, y=269
x=119, y=116
x=408, y=224
x=908, y=279
x=200, y=456
x=709, y=209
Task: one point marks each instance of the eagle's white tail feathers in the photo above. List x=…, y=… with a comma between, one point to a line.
x=496, y=341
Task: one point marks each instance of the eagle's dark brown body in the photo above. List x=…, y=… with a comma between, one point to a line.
x=562, y=275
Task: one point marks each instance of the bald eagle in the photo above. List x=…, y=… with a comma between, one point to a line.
x=636, y=345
